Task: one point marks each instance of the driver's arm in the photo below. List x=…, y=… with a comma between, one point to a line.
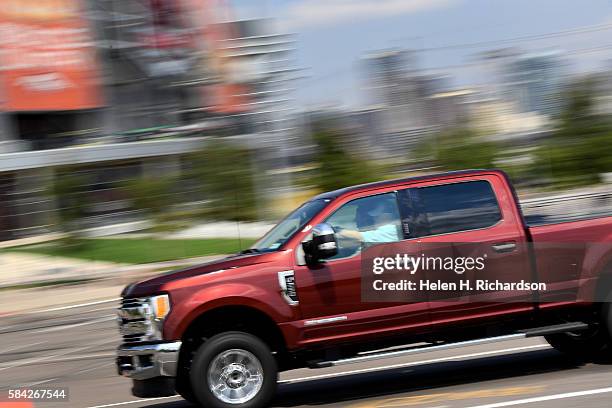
x=350, y=234
x=384, y=233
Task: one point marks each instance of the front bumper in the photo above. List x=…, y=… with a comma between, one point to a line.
x=145, y=361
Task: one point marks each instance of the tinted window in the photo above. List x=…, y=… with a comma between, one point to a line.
x=459, y=207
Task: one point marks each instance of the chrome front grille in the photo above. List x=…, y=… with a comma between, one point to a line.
x=134, y=318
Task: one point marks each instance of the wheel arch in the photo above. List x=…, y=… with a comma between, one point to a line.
x=229, y=318
x=236, y=318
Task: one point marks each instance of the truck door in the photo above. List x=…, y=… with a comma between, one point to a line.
x=330, y=293
x=474, y=218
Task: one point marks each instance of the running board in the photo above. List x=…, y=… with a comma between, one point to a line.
x=557, y=328
x=537, y=331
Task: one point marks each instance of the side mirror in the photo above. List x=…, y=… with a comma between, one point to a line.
x=323, y=244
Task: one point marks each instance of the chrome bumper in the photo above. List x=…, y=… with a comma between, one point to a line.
x=142, y=362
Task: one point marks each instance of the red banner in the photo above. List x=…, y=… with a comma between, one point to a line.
x=47, y=58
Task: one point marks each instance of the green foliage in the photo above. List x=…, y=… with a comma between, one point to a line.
x=337, y=167
x=67, y=189
x=459, y=149
x=224, y=174
x=580, y=149
x=153, y=195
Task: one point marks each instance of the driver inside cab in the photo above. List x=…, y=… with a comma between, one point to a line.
x=377, y=223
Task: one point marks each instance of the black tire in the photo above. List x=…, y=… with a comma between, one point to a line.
x=220, y=343
x=153, y=388
x=183, y=388
x=594, y=344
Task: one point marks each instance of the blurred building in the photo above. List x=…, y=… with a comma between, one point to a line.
x=449, y=109
x=50, y=78
x=387, y=75
x=492, y=116
x=409, y=105
x=160, y=77
x=530, y=81
x=260, y=63
x=150, y=64
x=603, y=98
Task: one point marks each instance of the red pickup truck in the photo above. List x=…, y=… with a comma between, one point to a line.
x=219, y=333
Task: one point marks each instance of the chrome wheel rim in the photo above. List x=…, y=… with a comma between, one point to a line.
x=235, y=376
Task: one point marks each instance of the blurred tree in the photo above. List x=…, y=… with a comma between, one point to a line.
x=338, y=168
x=68, y=191
x=459, y=149
x=224, y=174
x=579, y=150
x=153, y=196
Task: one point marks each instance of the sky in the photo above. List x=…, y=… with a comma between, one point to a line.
x=333, y=35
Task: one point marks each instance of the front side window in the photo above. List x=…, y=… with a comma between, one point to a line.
x=373, y=219
x=458, y=207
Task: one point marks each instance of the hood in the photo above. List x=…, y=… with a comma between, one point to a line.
x=155, y=285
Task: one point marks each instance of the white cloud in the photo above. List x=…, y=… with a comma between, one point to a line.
x=327, y=12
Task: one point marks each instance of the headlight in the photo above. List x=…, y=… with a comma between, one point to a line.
x=142, y=319
x=159, y=309
x=160, y=305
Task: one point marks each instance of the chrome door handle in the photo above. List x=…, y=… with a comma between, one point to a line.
x=504, y=247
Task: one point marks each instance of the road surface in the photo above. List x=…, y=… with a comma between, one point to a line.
x=75, y=348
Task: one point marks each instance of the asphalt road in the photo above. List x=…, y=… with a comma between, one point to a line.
x=75, y=348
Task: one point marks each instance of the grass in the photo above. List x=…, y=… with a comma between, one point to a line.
x=138, y=250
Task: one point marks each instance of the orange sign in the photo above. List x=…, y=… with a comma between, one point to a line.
x=47, y=59
x=227, y=96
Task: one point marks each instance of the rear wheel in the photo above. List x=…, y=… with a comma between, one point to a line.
x=594, y=344
x=234, y=369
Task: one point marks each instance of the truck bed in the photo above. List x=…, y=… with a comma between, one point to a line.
x=567, y=208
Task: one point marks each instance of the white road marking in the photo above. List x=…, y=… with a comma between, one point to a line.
x=544, y=398
x=55, y=309
x=61, y=359
x=27, y=326
x=133, y=402
x=5, y=351
x=96, y=367
x=71, y=326
x=316, y=377
x=32, y=384
x=85, y=370
x=414, y=363
x=49, y=357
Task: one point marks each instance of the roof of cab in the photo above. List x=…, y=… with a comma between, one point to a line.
x=331, y=195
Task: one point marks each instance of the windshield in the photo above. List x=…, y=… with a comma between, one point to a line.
x=278, y=235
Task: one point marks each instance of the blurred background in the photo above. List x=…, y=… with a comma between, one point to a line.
x=148, y=131
x=142, y=136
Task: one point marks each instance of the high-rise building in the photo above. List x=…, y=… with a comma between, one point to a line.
x=403, y=97
x=388, y=75
x=530, y=81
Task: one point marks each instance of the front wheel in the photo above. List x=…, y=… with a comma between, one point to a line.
x=234, y=369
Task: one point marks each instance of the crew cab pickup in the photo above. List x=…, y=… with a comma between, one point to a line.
x=219, y=333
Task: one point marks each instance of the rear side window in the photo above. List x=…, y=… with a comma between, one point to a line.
x=458, y=207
